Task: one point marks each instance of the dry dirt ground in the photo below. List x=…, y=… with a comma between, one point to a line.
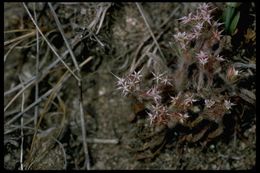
x=112, y=134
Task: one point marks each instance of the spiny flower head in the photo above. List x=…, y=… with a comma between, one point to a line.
x=158, y=112
x=202, y=57
x=186, y=19
x=175, y=99
x=166, y=81
x=183, y=39
x=189, y=101
x=232, y=73
x=183, y=117
x=228, y=104
x=209, y=103
x=128, y=83
x=220, y=58
x=199, y=26
x=204, y=7
x=157, y=77
x=179, y=116
x=217, y=34
x=137, y=76
x=154, y=93
x=170, y=102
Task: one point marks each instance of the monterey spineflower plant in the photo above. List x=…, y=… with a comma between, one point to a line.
x=190, y=93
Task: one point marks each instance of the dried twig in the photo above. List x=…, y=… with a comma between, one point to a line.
x=102, y=141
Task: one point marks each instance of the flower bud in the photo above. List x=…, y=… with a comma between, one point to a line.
x=232, y=74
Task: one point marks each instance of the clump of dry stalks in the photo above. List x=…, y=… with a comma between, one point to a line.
x=50, y=60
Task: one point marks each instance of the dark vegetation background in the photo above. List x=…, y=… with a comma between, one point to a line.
x=107, y=37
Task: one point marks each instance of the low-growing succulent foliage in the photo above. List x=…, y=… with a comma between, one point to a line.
x=200, y=85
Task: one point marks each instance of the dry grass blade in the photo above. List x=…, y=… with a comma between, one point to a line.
x=29, y=107
x=44, y=95
x=46, y=108
x=17, y=30
x=148, y=37
x=22, y=37
x=247, y=95
x=149, y=28
x=103, y=141
x=15, y=127
x=64, y=37
x=17, y=95
x=63, y=111
x=87, y=161
x=49, y=44
x=102, y=18
x=36, y=110
x=63, y=151
x=44, y=72
x=11, y=48
x=22, y=136
x=136, y=62
x=243, y=65
x=98, y=18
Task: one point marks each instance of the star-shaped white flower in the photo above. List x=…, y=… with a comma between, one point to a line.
x=189, y=100
x=166, y=81
x=137, y=75
x=220, y=58
x=202, y=57
x=180, y=36
x=228, y=104
x=157, y=77
x=186, y=19
x=183, y=117
x=174, y=99
x=209, y=103
x=154, y=93
x=199, y=26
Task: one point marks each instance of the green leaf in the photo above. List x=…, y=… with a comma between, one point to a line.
x=234, y=23
x=233, y=4
x=228, y=14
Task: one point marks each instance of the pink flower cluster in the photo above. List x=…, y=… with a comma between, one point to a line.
x=167, y=97
x=130, y=83
x=200, y=23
